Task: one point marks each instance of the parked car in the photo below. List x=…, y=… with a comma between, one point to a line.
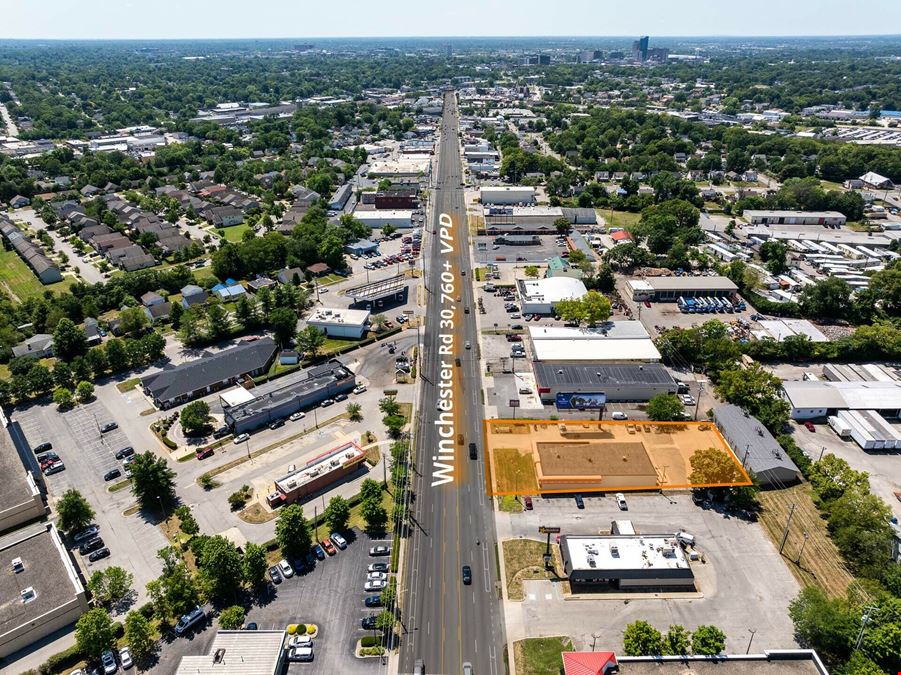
x=240, y=438
x=47, y=458
x=275, y=424
x=125, y=452
x=375, y=585
x=56, y=467
x=373, y=601
x=809, y=426
x=619, y=416
x=203, y=453
x=221, y=432
x=377, y=567
x=326, y=403
x=108, y=660
x=285, y=568
x=275, y=576
x=579, y=502
x=318, y=552
x=621, y=501
x=375, y=576
x=302, y=654
x=368, y=622
x=380, y=550
x=109, y=426
x=340, y=397
x=125, y=658
x=299, y=641
x=189, y=620
x=359, y=389
x=338, y=540
x=297, y=416
x=90, y=545
x=99, y=554
x=112, y=474
x=85, y=534
x=329, y=547
x=251, y=626
x=43, y=447
x=467, y=575
x=527, y=502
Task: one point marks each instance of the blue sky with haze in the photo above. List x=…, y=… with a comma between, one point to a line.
x=174, y=19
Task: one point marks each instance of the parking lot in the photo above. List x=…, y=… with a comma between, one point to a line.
x=485, y=250
x=743, y=584
x=330, y=596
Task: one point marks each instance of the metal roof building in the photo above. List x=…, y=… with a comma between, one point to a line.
x=671, y=288
x=809, y=400
x=239, y=652
x=611, y=342
x=541, y=295
x=755, y=446
x=619, y=382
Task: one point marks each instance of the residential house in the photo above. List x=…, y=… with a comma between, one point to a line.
x=319, y=269
x=291, y=275
x=192, y=295
x=149, y=299
x=38, y=346
x=158, y=312
x=224, y=216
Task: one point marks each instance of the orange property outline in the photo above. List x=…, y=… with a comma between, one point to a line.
x=493, y=490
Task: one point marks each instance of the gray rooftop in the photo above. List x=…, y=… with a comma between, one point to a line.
x=777, y=662
x=238, y=652
x=754, y=446
x=15, y=488
x=595, y=374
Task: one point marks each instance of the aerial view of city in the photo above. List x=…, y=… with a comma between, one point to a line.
x=494, y=338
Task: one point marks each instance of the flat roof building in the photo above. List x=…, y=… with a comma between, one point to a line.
x=626, y=562
x=539, y=296
x=670, y=289
x=40, y=590
x=376, y=293
x=809, y=399
x=20, y=498
x=770, y=662
x=208, y=374
x=320, y=472
x=618, y=382
x=280, y=398
x=507, y=194
x=239, y=652
x=764, y=217
x=400, y=218
x=345, y=323
x=755, y=447
x=340, y=197
x=610, y=342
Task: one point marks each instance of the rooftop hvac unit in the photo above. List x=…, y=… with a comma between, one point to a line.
x=28, y=594
x=335, y=462
x=592, y=562
x=614, y=551
x=18, y=565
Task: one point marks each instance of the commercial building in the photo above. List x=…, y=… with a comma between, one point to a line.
x=409, y=166
x=20, y=498
x=361, y=246
x=618, y=382
x=810, y=399
x=318, y=473
x=377, y=293
x=540, y=296
x=40, y=589
x=770, y=662
x=755, y=447
x=345, y=323
x=280, y=398
x=670, y=289
x=521, y=219
x=507, y=194
x=764, y=217
x=209, y=374
x=340, y=197
x=399, y=218
x=609, y=342
x=239, y=652
x=779, y=329
x=626, y=562
x=397, y=199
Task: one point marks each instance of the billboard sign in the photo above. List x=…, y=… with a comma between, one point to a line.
x=513, y=402
x=593, y=401
x=546, y=529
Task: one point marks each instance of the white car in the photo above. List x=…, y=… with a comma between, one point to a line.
x=338, y=540
x=360, y=389
x=621, y=501
x=687, y=399
x=377, y=585
x=620, y=416
x=297, y=416
x=240, y=438
x=300, y=654
x=109, y=662
x=376, y=576
x=286, y=569
x=125, y=658
x=299, y=641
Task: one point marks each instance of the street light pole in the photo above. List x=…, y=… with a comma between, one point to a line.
x=753, y=632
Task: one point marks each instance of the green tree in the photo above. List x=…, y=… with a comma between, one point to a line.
x=139, y=636
x=292, y=531
x=69, y=340
x=284, y=324
x=84, y=391
x=74, y=511
x=708, y=641
x=220, y=567
x=828, y=298
x=175, y=591
x=389, y=406
x=110, y=585
x=641, y=639
x=532, y=271
x=94, y=632
x=195, y=418
x=774, y=253
x=758, y=392
x=374, y=514
x=378, y=322
x=152, y=481
x=310, y=340
x=133, y=320
x=187, y=522
x=231, y=618
x=385, y=621
x=255, y=565
x=562, y=225
x=354, y=412
x=665, y=408
x=677, y=641
x=713, y=466
x=388, y=230
x=63, y=398
x=337, y=513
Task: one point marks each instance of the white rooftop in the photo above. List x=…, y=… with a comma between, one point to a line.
x=507, y=188
x=615, y=351
x=383, y=214
x=552, y=290
x=238, y=652
x=780, y=329
x=236, y=396
x=843, y=395
x=609, y=330
x=626, y=552
x=327, y=462
x=343, y=317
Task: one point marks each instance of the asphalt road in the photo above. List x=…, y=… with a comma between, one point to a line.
x=447, y=623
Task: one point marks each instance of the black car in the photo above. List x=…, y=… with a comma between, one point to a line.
x=99, y=554
x=276, y=424
x=274, y=575
x=109, y=426
x=299, y=565
x=110, y=475
x=310, y=560
x=368, y=622
x=579, y=503
x=90, y=545
x=373, y=601
x=473, y=453
x=125, y=452
x=221, y=432
x=340, y=397
x=43, y=447
x=251, y=626
x=467, y=575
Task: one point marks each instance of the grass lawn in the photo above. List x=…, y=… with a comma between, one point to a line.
x=540, y=656
x=624, y=219
x=235, y=233
x=334, y=344
x=515, y=471
x=202, y=274
x=822, y=564
x=831, y=185
x=524, y=560
x=17, y=279
x=510, y=504
x=128, y=385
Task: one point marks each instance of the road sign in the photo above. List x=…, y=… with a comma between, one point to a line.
x=513, y=402
x=546, y=529
x=409, y=312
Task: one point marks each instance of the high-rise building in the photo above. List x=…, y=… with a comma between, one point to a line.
x=640, y=48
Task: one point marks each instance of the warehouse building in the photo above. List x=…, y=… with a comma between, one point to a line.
x=758, y=451
x=342, y=323
x=829, y=218
x=239, y=652
x=209, y=374
x=626, y=562
x=618, y=382
x=610, y=342
x=810, y=400
x=399, y=218
x=318, y=473
x=670, y=289
x=539, y=296
x=20, y=498
x=285, y=396
x=40, y=589
x=340, y=197
x=507, y=194
x=376, y=294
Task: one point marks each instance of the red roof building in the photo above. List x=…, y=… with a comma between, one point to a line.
x=621, y=236
x=588, y=663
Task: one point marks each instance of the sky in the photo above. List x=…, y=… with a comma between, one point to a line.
x=181, y=19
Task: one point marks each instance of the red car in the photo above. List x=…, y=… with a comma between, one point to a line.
x=809, y=426
x=328, y=546
x=647, y=304
x=528, y=503
x=203, y=453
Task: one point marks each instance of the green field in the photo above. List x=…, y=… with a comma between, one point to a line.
x=624, y=219
x=17, y=279
x=235, y=233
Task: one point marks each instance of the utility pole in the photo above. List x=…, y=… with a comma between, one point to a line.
x=822, y=450
x=803, y=544
x=748, y=650
x=594, y=639
x=787, y=524
x=698, y=402
x=864, y=620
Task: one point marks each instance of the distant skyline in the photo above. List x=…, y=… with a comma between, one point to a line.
x=205, y=19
